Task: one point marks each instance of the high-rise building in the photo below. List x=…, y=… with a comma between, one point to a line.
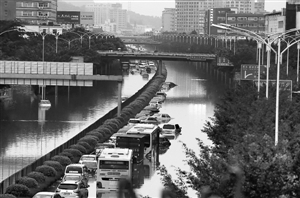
x=7, y=9
x=109, y=13
x=292, y=14
x=36, y=12
x=190, y=15
x=168, y=20
x=246, y=6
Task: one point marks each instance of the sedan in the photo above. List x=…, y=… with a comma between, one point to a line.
x=44, y=195
x=162, y=117
x=170, y=128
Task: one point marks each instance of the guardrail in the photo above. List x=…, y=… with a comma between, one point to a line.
x=31, y=167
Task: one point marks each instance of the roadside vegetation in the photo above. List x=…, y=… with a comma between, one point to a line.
x=243, y=134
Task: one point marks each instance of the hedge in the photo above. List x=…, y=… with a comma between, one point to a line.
x=74, y=152
x=89, y=139
x=68, y=155
x=107, y=130
x=86, y=145
x=18, y=190
x=38, y=176
x=48, y=171
x=115, y=127
x=54, y=164
x=95, y=133
x=81, y=148
x=7, y=196
x=28, y=181
x=63, y=160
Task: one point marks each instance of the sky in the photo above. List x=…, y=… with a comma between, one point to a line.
x=155, y=7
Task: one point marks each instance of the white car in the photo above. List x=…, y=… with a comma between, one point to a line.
x=44, y=195
x=90, y=161
x=170, y=128
x=72, y=189
x=162, y=117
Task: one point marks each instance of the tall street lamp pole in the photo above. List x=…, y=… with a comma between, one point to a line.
x=277, y=93
x=298, y=48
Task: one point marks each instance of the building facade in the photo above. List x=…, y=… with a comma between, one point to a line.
x=7, y=9
x=215, y=16
x=168, y=20
x=275, y=22
x=292, y=14
x=118, y=16
x=252, y=22
x=37, y=12
x=101, y=12
x=246, y=6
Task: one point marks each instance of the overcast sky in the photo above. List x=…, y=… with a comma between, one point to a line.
x=155, y=7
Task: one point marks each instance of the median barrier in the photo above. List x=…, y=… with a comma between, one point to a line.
x=73, y=141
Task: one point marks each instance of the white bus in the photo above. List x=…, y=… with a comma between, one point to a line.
x=113, y=164
x=152, y=131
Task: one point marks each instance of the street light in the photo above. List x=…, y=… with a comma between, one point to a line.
x=279, y=54
x=69, y=41
x=43, y=34
x=16, y=29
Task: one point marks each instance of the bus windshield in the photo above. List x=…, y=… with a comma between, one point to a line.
x=147, y=141
x=109, y=164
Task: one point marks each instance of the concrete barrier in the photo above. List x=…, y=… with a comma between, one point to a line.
x=31, y=167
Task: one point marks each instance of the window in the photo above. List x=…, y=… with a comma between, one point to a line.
x=45, y=14
x=252, y=18
x=5, y=3
x=280, y=24
x=43, y=5
x=27, y=4
x=231, y=18
x=242, y=18
x=27, y=13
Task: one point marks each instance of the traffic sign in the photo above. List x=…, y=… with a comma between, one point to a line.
x=284, y=85
x=250, y=71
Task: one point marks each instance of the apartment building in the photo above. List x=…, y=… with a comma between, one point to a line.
x=118, y=16
x=216, y=16
x=101, y=12
x=7, y=9
x=190, y=14
x=168, y=20
x=246, y=6
x=275, y=22
x=252, y=22
x=36, y=12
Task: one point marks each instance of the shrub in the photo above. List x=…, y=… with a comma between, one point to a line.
x=86, y=146
x=74, y=152
x=81, y=148
x=66, y=154
x=63, y=160
x=55, y=164
x=39, y=177
x=91, y=140
x=18, y=190
x=48, y=171
x=28, y=181
x=115, y=127
x=121, y=121
x=95, y=133
x=7, y=196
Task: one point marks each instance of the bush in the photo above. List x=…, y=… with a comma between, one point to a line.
x=74, y=152
x=115, y=127
x=39, y=177
x=55, y=164
x=86, y=146
x=7, y=196
x=63, y=160
x=81, y=148
x=48, y=171
x=90, y=140
x=95, y=133
x=28, y=181
x=18, y=190
x=68, y=155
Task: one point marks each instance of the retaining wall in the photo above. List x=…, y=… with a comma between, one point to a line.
x=31, y=167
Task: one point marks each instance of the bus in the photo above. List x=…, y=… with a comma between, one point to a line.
x=100, y=146
x=150, y=163
x=152, y=135
x=113, y=164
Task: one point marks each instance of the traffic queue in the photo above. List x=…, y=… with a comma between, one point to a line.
x=131, y=153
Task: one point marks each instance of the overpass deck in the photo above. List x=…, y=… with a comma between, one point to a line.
x=194, y=57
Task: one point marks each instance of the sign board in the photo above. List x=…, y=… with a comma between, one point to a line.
x=250, y=71
x=284, y=85
x=87, y=18
x=68, y=17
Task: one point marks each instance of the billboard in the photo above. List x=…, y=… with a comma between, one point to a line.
x=68, y=17
x=87, y=18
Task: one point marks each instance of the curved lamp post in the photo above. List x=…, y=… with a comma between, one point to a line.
x=279, y=54
x=10, y=30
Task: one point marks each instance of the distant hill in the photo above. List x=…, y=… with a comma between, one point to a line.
x=154, y=22
x=135, y=18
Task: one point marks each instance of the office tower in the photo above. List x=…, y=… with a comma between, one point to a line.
x=168, y=20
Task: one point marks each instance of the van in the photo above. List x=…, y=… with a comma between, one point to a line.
x=80, y=169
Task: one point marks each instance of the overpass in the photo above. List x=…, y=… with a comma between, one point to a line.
x=193, y=57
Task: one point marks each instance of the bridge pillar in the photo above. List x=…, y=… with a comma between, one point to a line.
x=56, y=95
x=119, y=98
x=159, y=67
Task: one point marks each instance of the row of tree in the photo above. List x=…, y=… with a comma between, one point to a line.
x=28, y=46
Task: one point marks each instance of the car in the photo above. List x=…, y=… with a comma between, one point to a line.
x=162, y=117
x=80, y=169
x=150, y=120
x=91, y=163
x=158, y=99
x=75, y=177
x=163, y=141
x=76, y=189
x=156, y=104
x=170, y=128
x=44, y=195
x=151, y=63
x=161, y=94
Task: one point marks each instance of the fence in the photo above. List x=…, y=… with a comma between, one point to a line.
x=31, y=167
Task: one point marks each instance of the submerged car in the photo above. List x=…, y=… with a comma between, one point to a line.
x=72, y=189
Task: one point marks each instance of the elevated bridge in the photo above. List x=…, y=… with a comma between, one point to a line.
x=193, y=57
